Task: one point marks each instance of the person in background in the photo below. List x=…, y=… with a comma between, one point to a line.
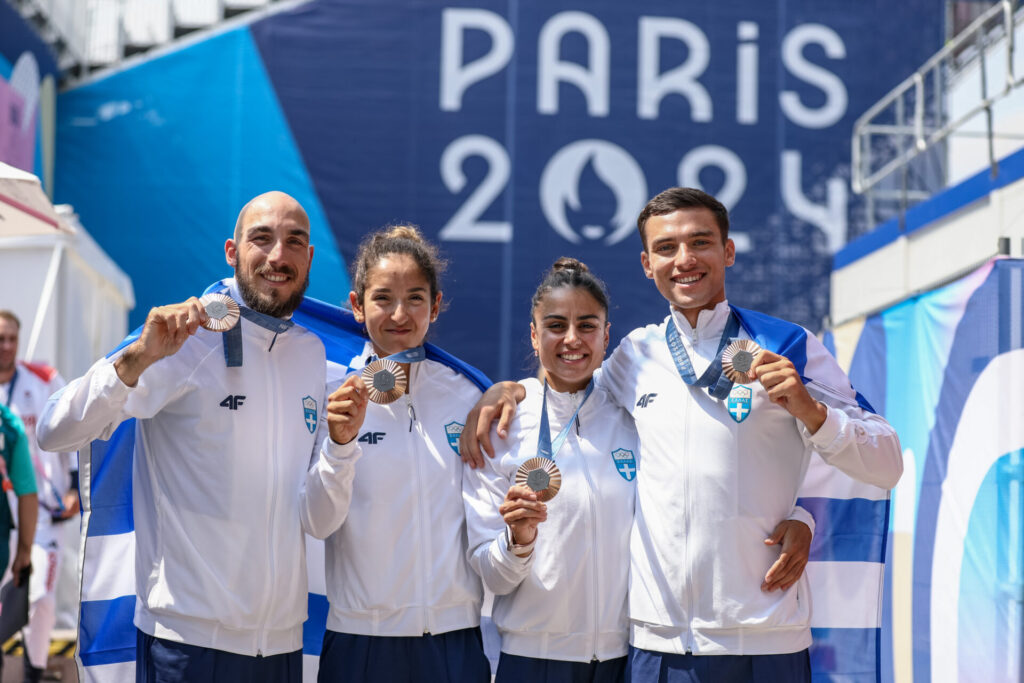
x=18, y=481
x=560, y=570
x=25, y=388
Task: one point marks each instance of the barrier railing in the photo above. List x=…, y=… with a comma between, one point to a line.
x=912, y=118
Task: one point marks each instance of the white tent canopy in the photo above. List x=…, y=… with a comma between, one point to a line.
x=72, y=299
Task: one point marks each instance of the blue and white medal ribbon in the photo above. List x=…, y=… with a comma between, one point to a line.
x=385, y=379
x=540, y=474
x=718, y=384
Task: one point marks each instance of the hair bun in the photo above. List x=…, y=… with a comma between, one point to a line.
x=406, y=232
x=569, y=263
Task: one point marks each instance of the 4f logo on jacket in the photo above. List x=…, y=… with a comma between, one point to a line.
x=372, y=438
x=309, y=413
x=645, y=400
x=233, y=402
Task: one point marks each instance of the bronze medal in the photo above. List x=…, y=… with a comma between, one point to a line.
x=385, y=381
x=737, y=359
x=540, y=475
x=222, y=310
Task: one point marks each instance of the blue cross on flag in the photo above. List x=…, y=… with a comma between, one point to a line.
x=625, y=463
x=309, y=412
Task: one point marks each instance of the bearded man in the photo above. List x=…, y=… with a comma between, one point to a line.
x=225, y=426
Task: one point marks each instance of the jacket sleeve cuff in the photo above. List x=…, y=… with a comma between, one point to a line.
x=799, y=514
x=110, y=384
x=507, y=557
x=828, y=432
x=337, y=453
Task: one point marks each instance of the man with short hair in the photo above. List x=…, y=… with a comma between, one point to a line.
x=225, y=425
x=712, y=599
x=25, y=388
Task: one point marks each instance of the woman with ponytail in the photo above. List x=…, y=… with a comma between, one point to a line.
x=557, y=561
x=404, y=601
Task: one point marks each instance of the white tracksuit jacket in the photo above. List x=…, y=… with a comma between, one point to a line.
x=220, y=456
x=389, y=506
x=711, y=490
x=567, y=600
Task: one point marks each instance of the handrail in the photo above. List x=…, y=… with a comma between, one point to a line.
x=863, y=177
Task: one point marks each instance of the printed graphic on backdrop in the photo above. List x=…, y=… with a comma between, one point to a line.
x=28, y=94
x=948, y=367
x=513, y=134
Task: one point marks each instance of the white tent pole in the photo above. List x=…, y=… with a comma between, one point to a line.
x=44, y=301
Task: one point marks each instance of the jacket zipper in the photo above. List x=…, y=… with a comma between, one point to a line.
x=595, y=578
x=273, y=504
x=686, y=522
x=424, y=537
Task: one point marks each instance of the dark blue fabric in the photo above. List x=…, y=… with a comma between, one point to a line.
x=164, y=661
x=661, y=667
x=516, y=669
x=453, y=657
x=845, y=528
x=106, y=634
x=779, y=336
x=718, y=385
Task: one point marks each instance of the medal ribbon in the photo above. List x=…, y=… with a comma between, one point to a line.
x=233, y=337
x=413, y=355
x=717, y=383
x=545, y=447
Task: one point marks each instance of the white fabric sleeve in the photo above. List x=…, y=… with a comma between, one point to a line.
x=92, y=406
x=483, y=491
x=861, y=444
x=799, y=514
x=327, y=488
x=614, y=375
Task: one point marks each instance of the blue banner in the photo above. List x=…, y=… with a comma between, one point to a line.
x=512, y=132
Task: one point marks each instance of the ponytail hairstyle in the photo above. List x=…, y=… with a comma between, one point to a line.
x=569, y=272
x=397, y=239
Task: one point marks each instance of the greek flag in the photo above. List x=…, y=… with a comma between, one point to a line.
x=106, y=633
x=847, y=562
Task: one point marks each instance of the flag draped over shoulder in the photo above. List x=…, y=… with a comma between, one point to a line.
x=846, y=566
x=106, y=637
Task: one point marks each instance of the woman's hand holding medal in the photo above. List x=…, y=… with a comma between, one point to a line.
x=346, y=408
x=522, y=512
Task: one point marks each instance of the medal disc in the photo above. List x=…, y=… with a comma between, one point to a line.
x=385, y=381
x=222, y=310
x=540, y=475
x=737, y=359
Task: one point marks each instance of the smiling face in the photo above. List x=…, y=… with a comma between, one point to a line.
x=686, y=258
x=397, y=308
x=271, y=254
x=569, y=332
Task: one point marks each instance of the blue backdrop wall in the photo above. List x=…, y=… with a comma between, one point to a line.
x=513, y=132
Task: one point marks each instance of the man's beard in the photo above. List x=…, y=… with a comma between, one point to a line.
x=264, y=304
